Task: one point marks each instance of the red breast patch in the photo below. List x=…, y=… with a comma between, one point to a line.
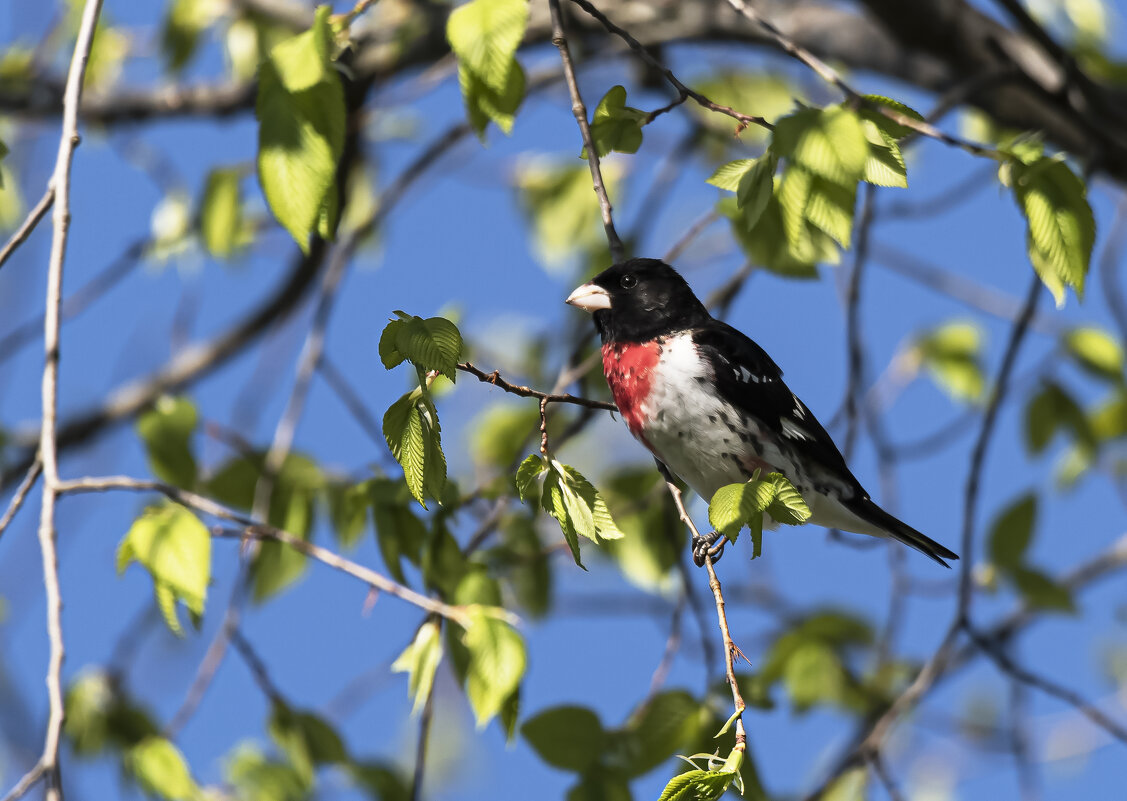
x=629, y=368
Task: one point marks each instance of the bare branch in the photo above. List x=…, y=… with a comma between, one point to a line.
x=21, y=494
x=48, y=447
x=684, y=92
x=26, y=782
x=580, y=111
x=496, y=380
x=24, y=231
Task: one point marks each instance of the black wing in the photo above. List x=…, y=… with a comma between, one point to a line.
x=748, y=379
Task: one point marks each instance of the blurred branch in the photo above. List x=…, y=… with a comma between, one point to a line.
x=26, y=782
x=617, y=251
x=351, y=400
x=971, y=293
x=257, y=668
x=79, y=301
x=32, y=220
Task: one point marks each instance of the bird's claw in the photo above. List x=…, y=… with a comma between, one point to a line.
x=711, y=545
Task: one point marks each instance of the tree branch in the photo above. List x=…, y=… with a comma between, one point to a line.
x=580, y=111
x=32, y=220
x=48, y=447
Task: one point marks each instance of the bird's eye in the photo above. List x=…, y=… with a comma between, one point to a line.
x=628, y=281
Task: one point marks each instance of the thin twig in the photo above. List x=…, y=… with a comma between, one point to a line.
x=1008, y=666
x=48, y=449
x=26, y=782
x=257, y=667
x=730, y=651
x=1018, y=723
x=855, y=348
x=683, y=90
x=32, y=220
x=882, y=774
x=496, y=380
x=21, y=494
x=617, y=251
x=730, y=648
x=978, y=454
x=695, y=229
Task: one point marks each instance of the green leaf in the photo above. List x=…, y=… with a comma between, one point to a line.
x=698, y=785
x=307, y=739
x=567, y=737
x=885, y=165
x=554, y=501
x=100, y=716
x=186, y=20
x=890, y=127
x=1051, y=410
x=1097, y=351
x=670, y=721
x=175, y=547
x=1012, y=531
x=753, y=182
x=533, y=466
x=221, y=213
x=600, y=784
x=766, y=243
x=788, y=506
x=348, y=510
x=850, y=786
x=498, y=434
x=301, y=116
x=166, y=430
x=577, y=505
x=735, y=505
x=485, y=104
x=257, y=778
x=756, y=187
x=952, y=354
x=485, y=34
x=419, y=661
x=1062, y=230
x=1042, y=592
x=160, y=769
x=616, y=126
x=399, y=533
x=728, y=176
x=813, y=675
x=496, y=664
x=414, y=436
x=563, y=210
x=431, y=344
x=443, y=562
x=829, y=143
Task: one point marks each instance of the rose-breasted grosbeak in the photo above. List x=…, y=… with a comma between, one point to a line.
x=711, y=405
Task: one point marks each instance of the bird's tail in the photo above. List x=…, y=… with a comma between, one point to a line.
x=869, y=511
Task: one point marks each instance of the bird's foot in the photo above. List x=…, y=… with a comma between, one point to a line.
x=711, y=545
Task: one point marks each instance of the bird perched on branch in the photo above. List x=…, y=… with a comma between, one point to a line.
x=712, y=407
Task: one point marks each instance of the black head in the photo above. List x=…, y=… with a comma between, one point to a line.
x=639, y=299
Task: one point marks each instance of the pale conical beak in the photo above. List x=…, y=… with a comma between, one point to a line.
x=589, y=297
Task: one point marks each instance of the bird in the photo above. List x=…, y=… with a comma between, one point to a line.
x=712, y=407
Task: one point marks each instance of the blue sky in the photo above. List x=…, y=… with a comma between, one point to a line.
x=459, y=240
